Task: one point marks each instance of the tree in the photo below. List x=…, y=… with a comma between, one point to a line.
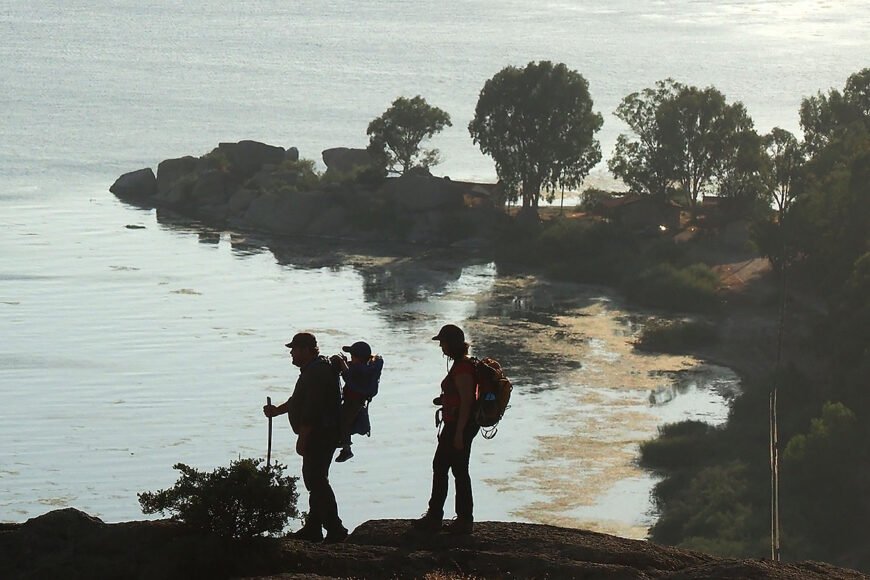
x=396, y=135
x=642, y=163
x=700, y=132
x=784, y=161
x=824, y=483
x=832, y=214
x=538, y=126
x=823, y=116
x=685, y=139
x=740, y=177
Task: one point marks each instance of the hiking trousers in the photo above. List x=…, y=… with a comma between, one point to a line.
x=350, y=408
x=447, y=459
x=322, y=507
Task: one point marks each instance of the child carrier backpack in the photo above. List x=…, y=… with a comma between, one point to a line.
x=493, y=395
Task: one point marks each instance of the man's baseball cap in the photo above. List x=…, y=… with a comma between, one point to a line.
x=360, y=349
x=451, y=334
x=302, y=340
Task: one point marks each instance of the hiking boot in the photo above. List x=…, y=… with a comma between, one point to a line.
x=336, y=535
x=344, y=455
x=428, y=523
x=308, y=534
x=460, y=526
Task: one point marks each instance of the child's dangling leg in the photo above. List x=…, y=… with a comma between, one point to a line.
x=349, y=410
x=344, y=454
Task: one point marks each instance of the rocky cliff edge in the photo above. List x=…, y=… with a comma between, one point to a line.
x=71, y=544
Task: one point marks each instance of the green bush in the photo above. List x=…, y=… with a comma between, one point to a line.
x=675, y=337
x=307, y=177
x=593, y=197
x=678, y=445
x=241, y=501
x=712, y=513
x=584, y=252
x=689, y=289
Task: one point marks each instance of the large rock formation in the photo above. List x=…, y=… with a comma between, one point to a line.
x=346, y=160
x=137, y=185
x=254, y=186
x=71, y=544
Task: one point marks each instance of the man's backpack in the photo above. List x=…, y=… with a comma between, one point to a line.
x=493, y=395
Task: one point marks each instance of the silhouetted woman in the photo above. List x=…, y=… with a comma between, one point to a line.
x=454, y=441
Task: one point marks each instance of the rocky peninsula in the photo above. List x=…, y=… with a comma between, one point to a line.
x=253, y=186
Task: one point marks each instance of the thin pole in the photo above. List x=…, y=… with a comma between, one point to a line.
x=269, y=448
x=774, y=480
x=774, y=423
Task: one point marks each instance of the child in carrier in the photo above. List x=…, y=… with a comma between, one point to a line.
x=361, y=377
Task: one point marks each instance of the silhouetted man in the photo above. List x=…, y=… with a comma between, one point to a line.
x=313, y=410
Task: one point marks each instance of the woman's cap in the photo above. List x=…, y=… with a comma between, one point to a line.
x=451, y=334
x=359, y=348
x=302, y=340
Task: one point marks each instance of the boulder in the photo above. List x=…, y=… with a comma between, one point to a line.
x=289, y=213
x=210, y=187
x=247, y=157
x=418, y=193
x=346, y=160
x=171, y=170
x=292, y=154
x=62, y=525
x=136, y=185
x=216, y=213
x=177, y=195
x=332, y=222
x=240, y=200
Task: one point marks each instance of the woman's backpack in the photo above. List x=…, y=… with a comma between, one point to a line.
x=493, y=395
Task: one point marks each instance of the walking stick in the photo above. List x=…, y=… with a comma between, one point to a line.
x=269, y=448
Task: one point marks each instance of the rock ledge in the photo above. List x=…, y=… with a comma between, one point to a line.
x=71, y=544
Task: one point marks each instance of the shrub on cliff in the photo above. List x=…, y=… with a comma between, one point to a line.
x=306, y=176
x=675, y=337
x=678, y=445
x=240, y=501
x=689, y=289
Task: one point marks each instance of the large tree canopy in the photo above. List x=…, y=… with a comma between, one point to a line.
x=396, y=135
x=642, y=163
x=538, y=126
x=824, y=116
x=686, y=139
x=784, y=158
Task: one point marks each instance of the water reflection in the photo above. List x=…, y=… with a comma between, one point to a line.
x=209, y=237
x=392, y=274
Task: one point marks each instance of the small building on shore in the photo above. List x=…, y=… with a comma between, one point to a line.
x=642, y=213
x=476, y=194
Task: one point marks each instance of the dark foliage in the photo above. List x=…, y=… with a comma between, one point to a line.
x=689, y=289
x=821, y=241
x=676, y=337
x=240, y=501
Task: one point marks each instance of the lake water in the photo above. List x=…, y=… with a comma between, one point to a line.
x=126, y=350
